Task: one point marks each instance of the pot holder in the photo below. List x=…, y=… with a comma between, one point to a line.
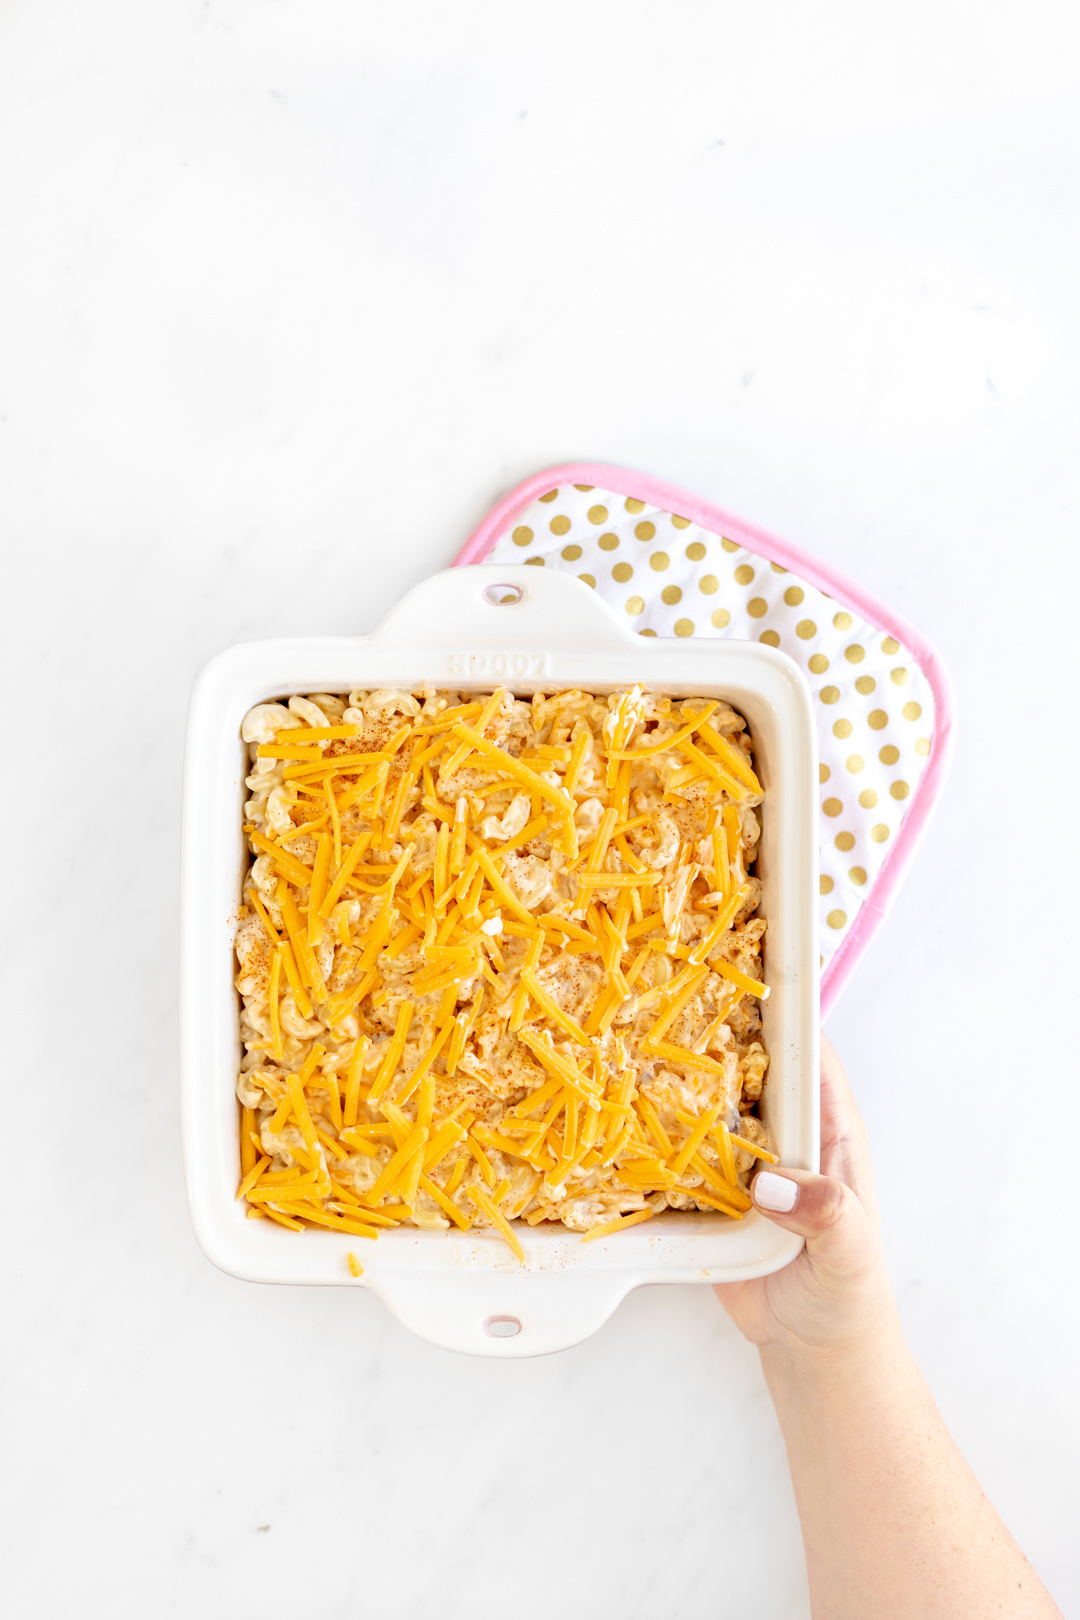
x=680, y=567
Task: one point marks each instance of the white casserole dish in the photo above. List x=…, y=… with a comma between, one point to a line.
x=465, y=1291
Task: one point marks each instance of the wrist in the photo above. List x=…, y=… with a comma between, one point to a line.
x=873, y=1354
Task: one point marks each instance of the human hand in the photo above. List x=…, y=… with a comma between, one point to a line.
x=835, y=1296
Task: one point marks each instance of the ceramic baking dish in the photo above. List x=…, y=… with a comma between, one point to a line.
x=471, y=629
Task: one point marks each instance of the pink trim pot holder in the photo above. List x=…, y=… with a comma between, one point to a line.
x=680, y=567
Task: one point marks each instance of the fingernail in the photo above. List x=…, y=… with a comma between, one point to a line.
x=777, y=1193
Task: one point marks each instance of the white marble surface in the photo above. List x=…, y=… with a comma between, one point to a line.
x=290, y=292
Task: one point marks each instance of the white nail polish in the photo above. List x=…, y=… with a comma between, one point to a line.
x=777, y=1193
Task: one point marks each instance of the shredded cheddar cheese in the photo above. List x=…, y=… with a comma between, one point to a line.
x=502, y=962
x=618, y=1225
x=488, y=1206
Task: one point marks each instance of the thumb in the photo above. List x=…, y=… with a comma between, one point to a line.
x=823, y=1211
x=843, y=1252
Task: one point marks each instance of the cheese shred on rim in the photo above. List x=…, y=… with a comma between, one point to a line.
x=499, y=960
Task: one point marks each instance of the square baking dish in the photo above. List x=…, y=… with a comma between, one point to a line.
x=471, y=629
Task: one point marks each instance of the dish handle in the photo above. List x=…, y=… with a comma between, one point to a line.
x=513, y=612
x=502, y=1313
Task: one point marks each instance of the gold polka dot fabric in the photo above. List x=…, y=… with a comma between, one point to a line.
x=672, y=577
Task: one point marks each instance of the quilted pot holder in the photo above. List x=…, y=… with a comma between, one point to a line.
x=680, y=567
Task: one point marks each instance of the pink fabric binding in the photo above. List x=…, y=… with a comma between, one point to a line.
x=875, y=907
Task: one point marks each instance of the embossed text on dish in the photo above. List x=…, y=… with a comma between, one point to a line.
x=499, y=664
